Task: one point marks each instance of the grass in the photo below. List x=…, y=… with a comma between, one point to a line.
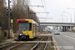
x=51, y=44
x=25, y=44
x=49, y=32
x=51, y=47
x=70, y=31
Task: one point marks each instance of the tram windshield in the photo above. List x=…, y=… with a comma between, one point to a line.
x=24, y=26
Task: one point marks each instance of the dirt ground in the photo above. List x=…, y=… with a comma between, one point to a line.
x=41, y=47
x=24, y=47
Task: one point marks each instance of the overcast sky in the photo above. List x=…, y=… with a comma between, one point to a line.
x=55, y=9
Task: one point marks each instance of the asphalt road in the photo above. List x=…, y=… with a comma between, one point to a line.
x=65, y=41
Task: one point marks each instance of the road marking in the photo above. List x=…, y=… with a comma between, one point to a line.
x=70, y=37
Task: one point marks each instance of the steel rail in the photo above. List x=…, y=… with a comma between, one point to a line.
x=37, y=44
x=6, y=45
x=14, y=46
x=46, y=44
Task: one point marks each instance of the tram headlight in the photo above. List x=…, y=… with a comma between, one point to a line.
x=20, y=34
x=26, y=34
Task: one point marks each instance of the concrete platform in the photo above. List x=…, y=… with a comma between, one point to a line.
x=30, y=41
x=45, y=34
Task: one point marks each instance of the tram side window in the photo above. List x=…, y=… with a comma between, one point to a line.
x=33, y=26
x=37, y=28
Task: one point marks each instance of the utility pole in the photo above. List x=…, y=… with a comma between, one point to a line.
x=27, y=11
x=33, y=15
x=8, y=19
x=74, y=16
x=62, y=18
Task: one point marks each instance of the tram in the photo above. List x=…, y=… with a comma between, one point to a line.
x=26, y=29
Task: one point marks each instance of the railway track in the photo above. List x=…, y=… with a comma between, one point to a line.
x=7, y=45
x=46, y=44
x=16, y=46
x=38, y=44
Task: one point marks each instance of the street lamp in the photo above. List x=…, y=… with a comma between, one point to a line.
x=68, y=13
x=74, y=13
x=62, y=17
x=66, y=18
x=71, y=16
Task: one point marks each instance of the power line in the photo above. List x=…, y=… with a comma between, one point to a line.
x=45, y=9
x=40, y=3
x=45, y=6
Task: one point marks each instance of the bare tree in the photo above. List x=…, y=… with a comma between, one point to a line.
x=23, y=4
x=19, y=11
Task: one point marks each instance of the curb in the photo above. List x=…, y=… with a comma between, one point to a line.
x=55, y=44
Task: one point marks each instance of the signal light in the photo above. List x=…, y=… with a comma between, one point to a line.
x=8, y=10
x=10, y=14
